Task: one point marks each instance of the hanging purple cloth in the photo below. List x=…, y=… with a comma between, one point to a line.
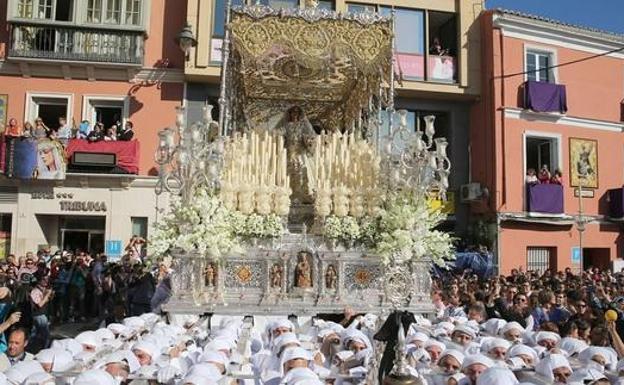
x=545, y=198
x=545, y=97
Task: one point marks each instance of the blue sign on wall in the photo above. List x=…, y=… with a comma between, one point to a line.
x=113, y=249
x=576, y=256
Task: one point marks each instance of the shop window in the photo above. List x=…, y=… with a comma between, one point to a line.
x=538, y=65
x=542, y=151
x=442, y=58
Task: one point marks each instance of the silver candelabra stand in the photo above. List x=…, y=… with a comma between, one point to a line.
x=195, y=160
x=189, y=157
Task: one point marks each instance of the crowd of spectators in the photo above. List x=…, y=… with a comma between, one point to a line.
x=40, y=290
x=544, y=176
x=64, y=132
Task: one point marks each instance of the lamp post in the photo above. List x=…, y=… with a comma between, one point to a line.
x=186, y=40
x=580, y=221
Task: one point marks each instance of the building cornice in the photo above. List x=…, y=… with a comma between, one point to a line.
x=554, y=118
x=545, y=32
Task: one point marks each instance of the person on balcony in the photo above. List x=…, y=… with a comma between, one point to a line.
x=557, y=177
x=544, y=175
x=64, y=132
x=13, y=130
x=111, y=134
x=84, y=130
x=97, y=135
x=436, y=48
x=41, y=130
x=531, y=178
x=28, y=131
x=127, y=133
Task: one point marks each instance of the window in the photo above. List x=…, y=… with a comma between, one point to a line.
x=441, y=63
x=49, y=107
x=113, y=11
x=281, y=4
x=539, y=258
x=133, y=12
x=410, y=38
x=139, y=226
x=326, y=4
x=5, y=234
x=64, y=10
x=359, y=8
x=542, y=151
x=25, y=9
x=218, y=20
x=538, y=65
x=107, y=110
x=94, y=11
x=44, y=9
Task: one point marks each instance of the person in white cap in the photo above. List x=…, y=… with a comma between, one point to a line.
x=521, y=356
x=55, y=360
x=474, y=365
x=39, y=378
x=435, y=349
x=548, y=340
x=496, y=348
x=599, y=358
x=497, y=376
x=512, y=332
x=589, y=376
x=463, y=335
x=95, y=377
x=554, y=367
x=145, y=352
x=295, y=357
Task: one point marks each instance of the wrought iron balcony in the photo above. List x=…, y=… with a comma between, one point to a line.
x=76, y=43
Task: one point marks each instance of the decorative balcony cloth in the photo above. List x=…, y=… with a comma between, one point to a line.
x=545, y=97
x=127, y=152
x=616, y=203
x=545, y=198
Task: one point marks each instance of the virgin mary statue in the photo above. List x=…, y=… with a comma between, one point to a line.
x=298, y=138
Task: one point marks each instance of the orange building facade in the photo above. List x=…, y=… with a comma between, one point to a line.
x=551, y=96
x=108, y=61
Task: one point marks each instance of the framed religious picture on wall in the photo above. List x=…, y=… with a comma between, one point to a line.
x=4, y=107
x=583, y=163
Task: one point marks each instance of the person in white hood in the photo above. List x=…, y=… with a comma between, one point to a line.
x=554, y=367
x=497, y=376
x=474, y=365
x=145, y=352
x=55, y=360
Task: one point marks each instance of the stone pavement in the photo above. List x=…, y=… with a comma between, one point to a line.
x=70, y=330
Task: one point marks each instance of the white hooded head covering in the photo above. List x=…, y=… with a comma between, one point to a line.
x=147, y=348
x=284, y=339
x=609, y=356
x=61, y=360
x=477, y=359
x=493, y=343
x=493, y=325
x=195, y=379
x=587, y=376
x=497, y=376
x=541, y=336
x=465, y=330
x=355, y=335
x=459, y=356
x=519, y=349
x=295, y=353
x=551, y=362
x=572, y=345
x=18, y=373
x=39, y=378
x=509, y=326
x=95, y=377
x=69, y=344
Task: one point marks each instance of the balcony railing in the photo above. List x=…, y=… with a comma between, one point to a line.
x=545, y=198
x=68, y=43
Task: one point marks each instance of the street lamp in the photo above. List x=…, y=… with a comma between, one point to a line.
x=581, y=221
x=186, y=40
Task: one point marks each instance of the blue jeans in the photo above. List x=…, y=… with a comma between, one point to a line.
x=41, y=330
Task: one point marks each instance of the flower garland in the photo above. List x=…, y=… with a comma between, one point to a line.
x=345, y=229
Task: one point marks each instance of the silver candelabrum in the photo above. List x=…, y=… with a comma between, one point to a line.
x=196, y=160
x=413, y=160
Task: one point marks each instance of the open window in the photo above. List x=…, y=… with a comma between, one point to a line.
x=49, y=108
x=442, y=61
x=540, y=152
x=59, y=10
x=107, y=110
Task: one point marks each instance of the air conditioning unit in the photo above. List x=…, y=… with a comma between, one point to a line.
x=471, y=192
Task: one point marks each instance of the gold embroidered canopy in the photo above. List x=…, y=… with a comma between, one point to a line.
x=328, y=63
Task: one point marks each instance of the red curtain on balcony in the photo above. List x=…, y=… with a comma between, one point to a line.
x=127, y=152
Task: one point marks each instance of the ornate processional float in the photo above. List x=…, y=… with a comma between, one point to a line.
x=300, y=199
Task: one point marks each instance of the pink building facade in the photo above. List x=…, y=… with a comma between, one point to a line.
x=98, y=61
x=552, y=96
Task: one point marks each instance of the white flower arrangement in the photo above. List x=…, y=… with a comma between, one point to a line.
x=205, y=226
x=209, y=228
x=345, y=229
